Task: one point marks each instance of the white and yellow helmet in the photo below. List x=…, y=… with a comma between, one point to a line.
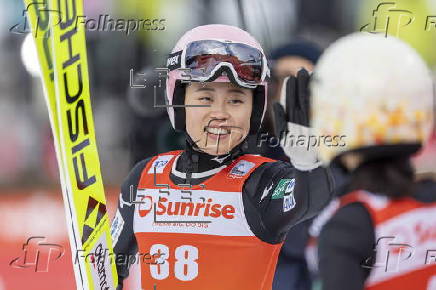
x=372, y=91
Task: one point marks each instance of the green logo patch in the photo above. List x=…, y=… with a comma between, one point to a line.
x=285, y=187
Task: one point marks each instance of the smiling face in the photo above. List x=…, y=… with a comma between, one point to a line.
x=224, y=121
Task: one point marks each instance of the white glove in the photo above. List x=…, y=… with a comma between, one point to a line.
x=298, y=146
x=292, y=119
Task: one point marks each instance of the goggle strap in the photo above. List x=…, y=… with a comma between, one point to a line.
x=174, y=60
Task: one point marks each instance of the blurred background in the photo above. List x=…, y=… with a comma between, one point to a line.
x=128, y=127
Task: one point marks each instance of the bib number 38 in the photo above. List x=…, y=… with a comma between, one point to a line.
x=185, y=266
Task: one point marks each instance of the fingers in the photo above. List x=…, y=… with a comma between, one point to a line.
x=283, y=95
x=291, y=98
x=303, y=97
x=294, y=98
x=302, y=88
x=279, y=119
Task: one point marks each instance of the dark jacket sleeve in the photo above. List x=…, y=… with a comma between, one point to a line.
x=346, y=243
x=270, y=211
x=124, y=241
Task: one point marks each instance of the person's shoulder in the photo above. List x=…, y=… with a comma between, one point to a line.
x=352, y=215
x=174, y=152
x=350, y=227
x=425, y=191
x=140, y=165
x=267, y=164
x=136, y=171
x=349, y=220
x=256, y=158
x=269, y=171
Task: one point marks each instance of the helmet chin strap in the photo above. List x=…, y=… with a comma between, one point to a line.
x=191, y=145
x=199, y=161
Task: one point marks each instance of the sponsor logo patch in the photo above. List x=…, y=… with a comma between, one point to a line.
x=101, y=268
x=116, y=228
x=266, y=192
x=189, y=211
x=173, y=60
x=241, y=168
x=159, y=164
x=92, y=220
x=180, y=209
x=288, y=202
x=284, y=187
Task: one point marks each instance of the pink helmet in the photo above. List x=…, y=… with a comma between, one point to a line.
x=177, y=78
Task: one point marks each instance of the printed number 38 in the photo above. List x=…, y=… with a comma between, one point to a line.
x=185, y=267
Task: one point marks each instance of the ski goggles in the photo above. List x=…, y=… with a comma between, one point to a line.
x=205, y=60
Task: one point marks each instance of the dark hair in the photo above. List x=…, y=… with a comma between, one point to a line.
x=390, y=176
x=302, y=48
